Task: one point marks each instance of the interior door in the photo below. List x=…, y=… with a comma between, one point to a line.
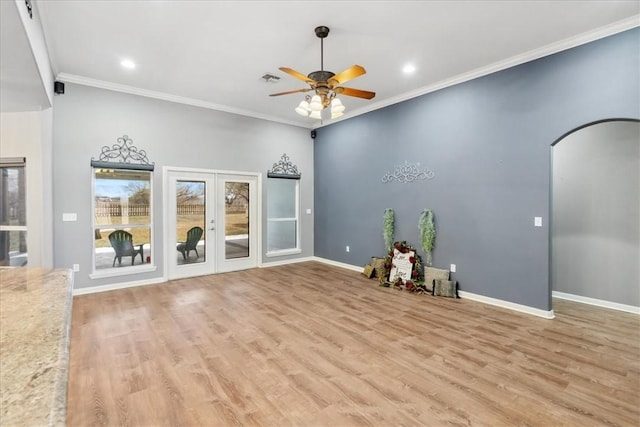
x=237, y=244
x=191, y=224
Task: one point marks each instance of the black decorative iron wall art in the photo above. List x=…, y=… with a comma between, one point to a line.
x=123, y=155
x=284, y=169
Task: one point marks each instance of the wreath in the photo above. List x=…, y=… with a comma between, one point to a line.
x=416, y=283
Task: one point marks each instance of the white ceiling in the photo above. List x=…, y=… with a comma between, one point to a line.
x=213, y=53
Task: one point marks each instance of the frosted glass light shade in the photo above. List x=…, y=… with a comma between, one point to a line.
x=303, y=108
x=316, y=103
x=315, y=115
x=336, y=106
x=336, y=115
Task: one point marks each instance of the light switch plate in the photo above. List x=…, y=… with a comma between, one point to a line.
x=453, y=268
x=308, y=211
x=69, y=217
x=537, y=221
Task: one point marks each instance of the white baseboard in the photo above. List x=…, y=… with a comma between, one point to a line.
x=463, y=294
x=285, y=262
x=116, y=286
x=338, y=264
x=597, y=302
x=468, y=295
x=124, y=285
x=547, y=314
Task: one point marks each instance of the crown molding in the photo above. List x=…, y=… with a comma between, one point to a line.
x=102, y=84
x=562, y=45
x=571, y=42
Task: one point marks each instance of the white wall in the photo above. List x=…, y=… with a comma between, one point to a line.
x=29, y=135
x=86, y=119
x=596, y=213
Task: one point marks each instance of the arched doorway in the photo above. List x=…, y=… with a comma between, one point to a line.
x=595, y=215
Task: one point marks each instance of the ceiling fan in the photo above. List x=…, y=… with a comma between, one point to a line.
x=326, y=84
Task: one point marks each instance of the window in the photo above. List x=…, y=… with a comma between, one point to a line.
x=122, y=210
x=282, y=217
x=13, y=212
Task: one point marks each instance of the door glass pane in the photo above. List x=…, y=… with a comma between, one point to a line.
x=236, y=219
x=191, y=216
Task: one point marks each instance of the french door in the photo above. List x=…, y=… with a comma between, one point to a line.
x=211, y=222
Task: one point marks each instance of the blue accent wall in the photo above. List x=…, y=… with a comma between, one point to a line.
x=488, y=142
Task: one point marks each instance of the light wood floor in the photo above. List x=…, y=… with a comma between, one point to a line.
x=313, y=345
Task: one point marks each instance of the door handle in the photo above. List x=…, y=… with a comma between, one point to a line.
x=212, y=228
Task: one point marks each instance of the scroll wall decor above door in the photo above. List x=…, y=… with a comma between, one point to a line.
x=123, y=155
x=284, y=169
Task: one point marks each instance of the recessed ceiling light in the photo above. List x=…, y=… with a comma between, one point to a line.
x=409, y=69
x=127, y=63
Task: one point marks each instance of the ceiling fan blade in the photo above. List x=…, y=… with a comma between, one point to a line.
x=348, y=74
x=296, y=74
x=358, y=93
x=290, y=91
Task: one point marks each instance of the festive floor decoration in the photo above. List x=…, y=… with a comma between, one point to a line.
x=414, y=283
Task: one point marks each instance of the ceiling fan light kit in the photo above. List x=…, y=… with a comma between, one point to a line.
x=303, y=108
x=315, y=115
x=326, y=85
x=316, y=103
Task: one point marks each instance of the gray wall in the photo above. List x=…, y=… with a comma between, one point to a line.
x=596, y=213
x=488, y=143
x=87, y=118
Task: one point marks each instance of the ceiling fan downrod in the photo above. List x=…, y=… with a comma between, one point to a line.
x=322, y=32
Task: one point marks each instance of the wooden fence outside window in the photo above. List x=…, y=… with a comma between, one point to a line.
x=117, y=209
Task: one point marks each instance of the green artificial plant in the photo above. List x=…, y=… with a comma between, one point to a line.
x=427, y=233
x=387, y=228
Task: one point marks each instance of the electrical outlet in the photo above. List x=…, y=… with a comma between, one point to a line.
x=347, y=249
x=76, y=267
x=308, y=211
x=453, y=268
x=537, y=221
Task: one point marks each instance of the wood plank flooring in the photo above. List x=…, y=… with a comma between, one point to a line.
x=313, y=345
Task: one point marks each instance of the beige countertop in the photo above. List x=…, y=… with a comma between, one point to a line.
x=35, y=321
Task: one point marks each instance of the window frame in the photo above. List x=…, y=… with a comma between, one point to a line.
x=298, y=248
x=15, y=163
x=128, y=269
